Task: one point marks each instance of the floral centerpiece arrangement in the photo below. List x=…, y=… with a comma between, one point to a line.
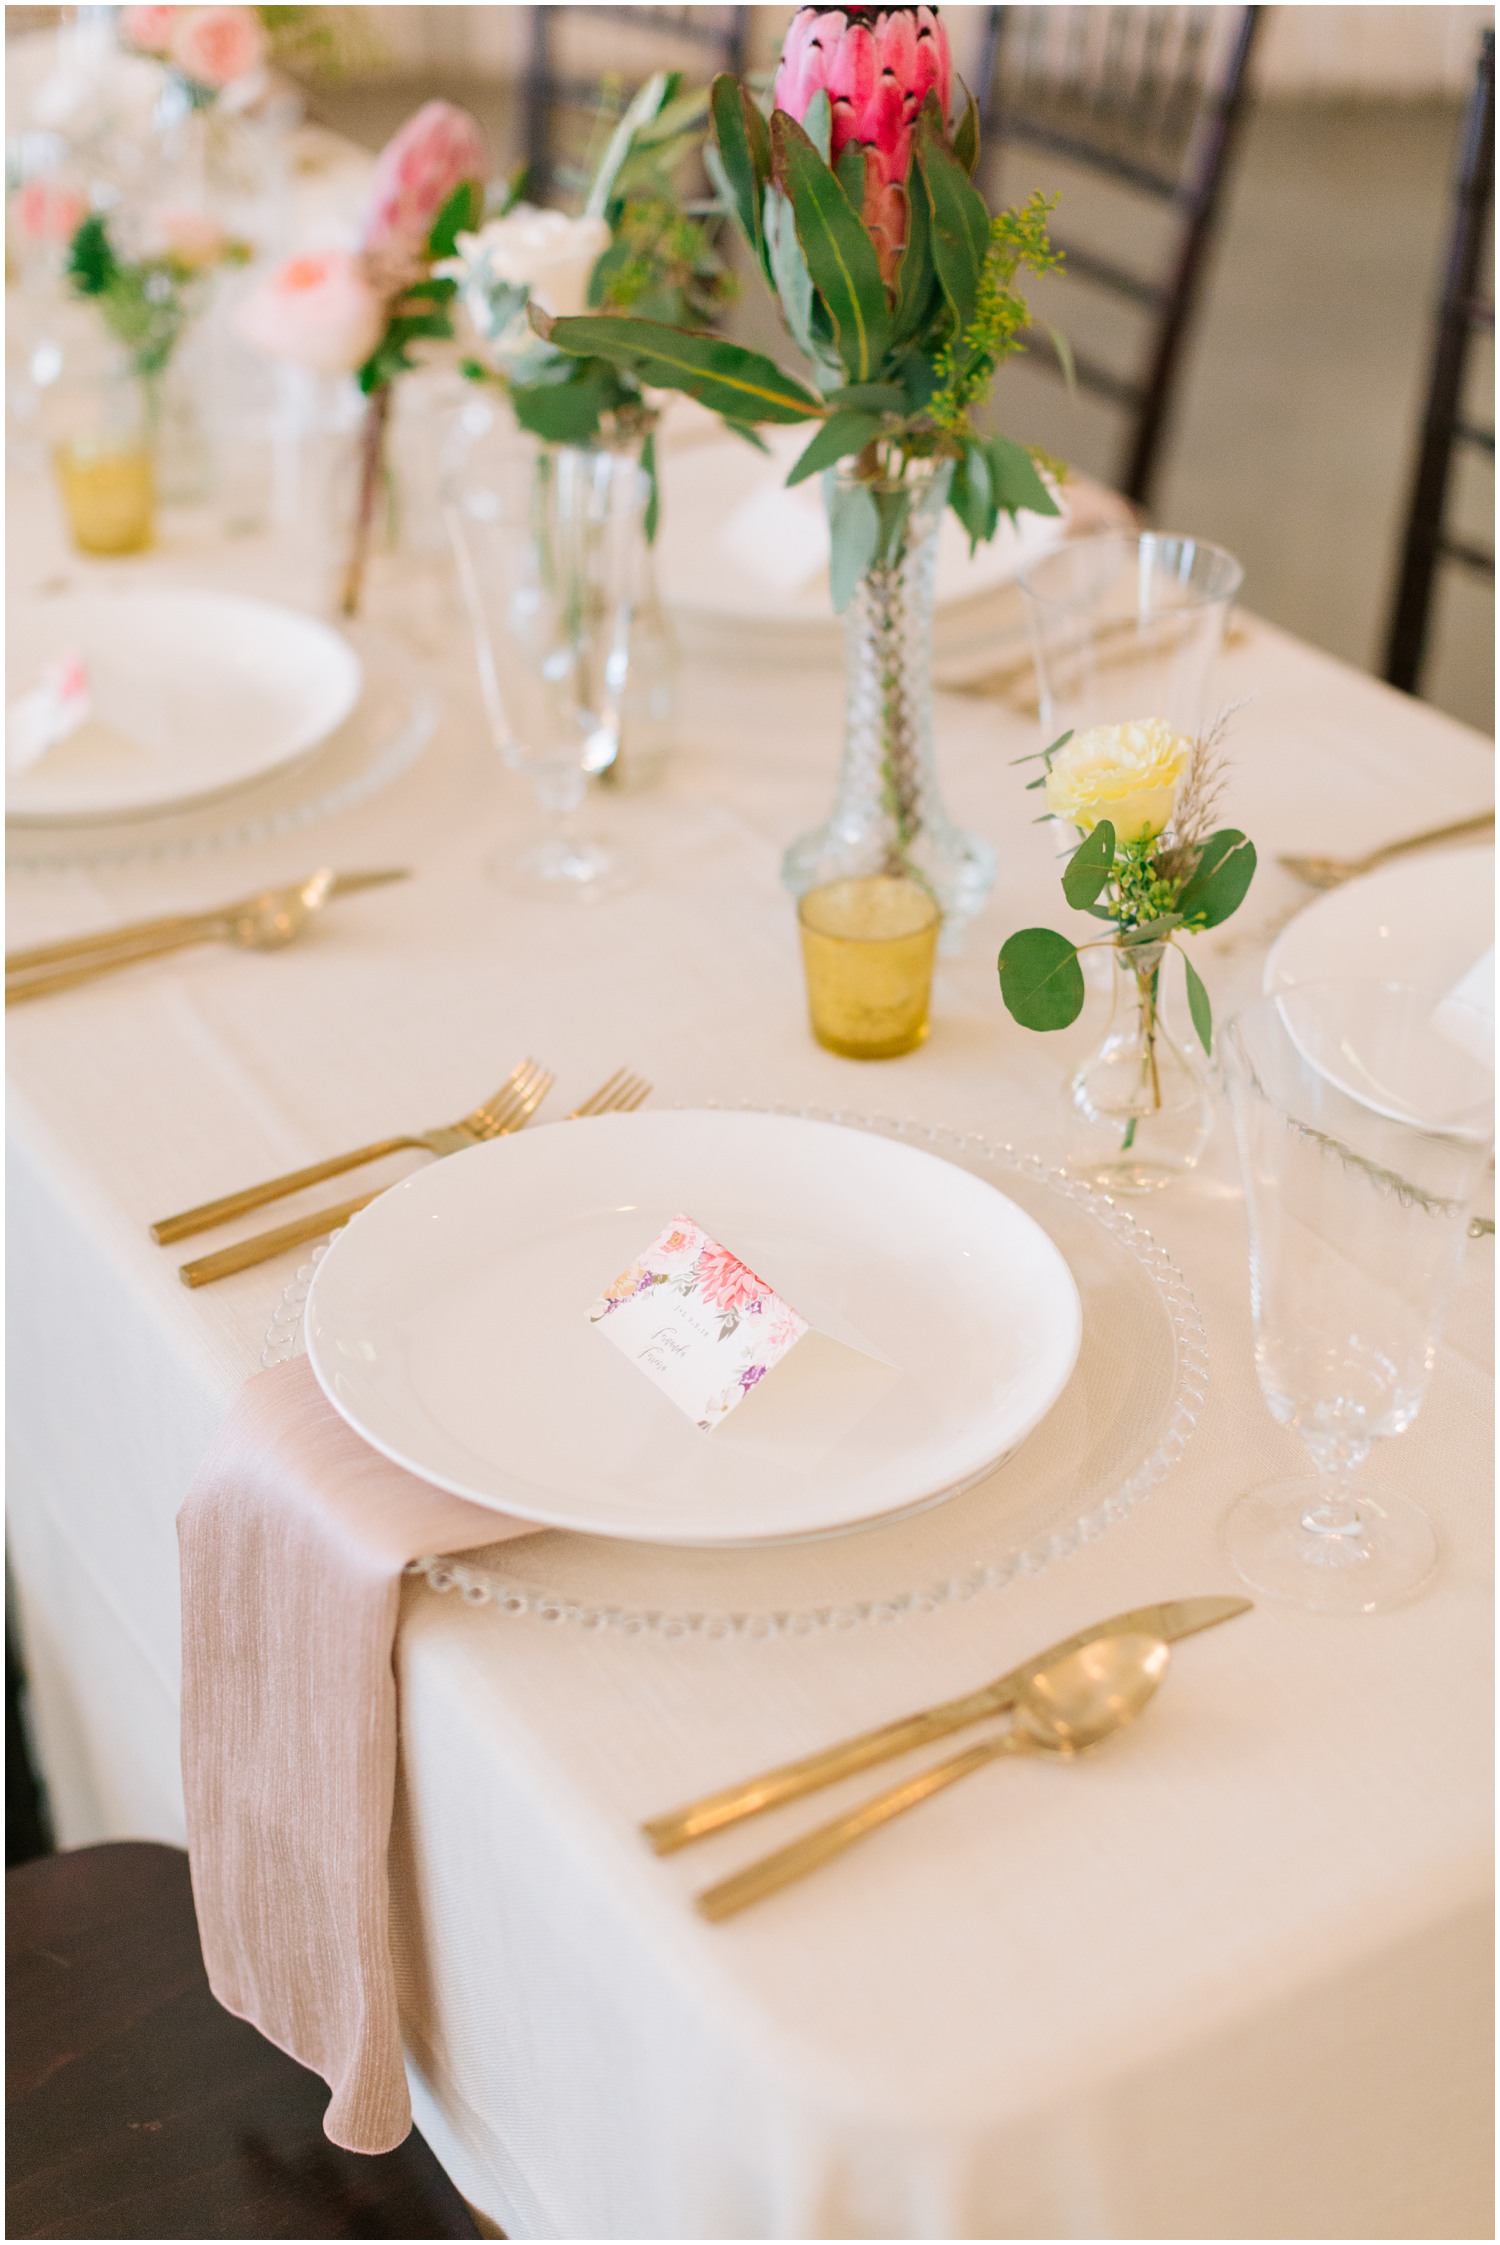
x=147, y=300
x=637, y=247
x=1153, y=867
x=896, y=283
x=361, y=311
x=205, y=51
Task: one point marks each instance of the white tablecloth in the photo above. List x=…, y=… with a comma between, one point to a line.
x=1229, y=1981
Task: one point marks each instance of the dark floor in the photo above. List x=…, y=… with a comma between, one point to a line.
x=1304, y=377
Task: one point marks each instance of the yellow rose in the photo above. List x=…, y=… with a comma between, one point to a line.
x=1128, y=774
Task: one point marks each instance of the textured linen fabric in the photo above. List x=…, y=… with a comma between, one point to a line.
x=1229, y=1979
x=293, y=1537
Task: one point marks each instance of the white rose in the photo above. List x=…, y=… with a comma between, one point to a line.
x=542, y=252
x=1128, y=774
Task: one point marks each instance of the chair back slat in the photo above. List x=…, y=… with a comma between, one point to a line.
x=1463, y=312
x=1147, y=99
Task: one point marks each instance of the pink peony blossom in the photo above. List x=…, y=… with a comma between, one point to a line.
x=149, y=30
x=877, y=66
x=214, y=46
x=45, y=212
x=726, y=1282
x=317, y=311
x=417, y=172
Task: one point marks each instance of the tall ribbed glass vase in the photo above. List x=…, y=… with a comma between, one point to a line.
x=889, y=816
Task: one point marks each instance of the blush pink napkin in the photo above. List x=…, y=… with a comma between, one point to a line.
x=292, y=1541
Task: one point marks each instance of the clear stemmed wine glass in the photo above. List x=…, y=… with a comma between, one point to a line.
x=546, y=539
x=1365, y=1118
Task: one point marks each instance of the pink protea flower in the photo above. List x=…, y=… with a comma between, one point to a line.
x=148, y=30
x=416, y=173
x=877, y=66
x=214, y=46
x=316, y=311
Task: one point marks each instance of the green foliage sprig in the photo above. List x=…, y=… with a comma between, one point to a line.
x=898, y=366
x=145, y=302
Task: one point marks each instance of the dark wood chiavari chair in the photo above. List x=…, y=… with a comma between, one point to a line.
x=561, y=99
x=1464, y=312
x=1149, y=99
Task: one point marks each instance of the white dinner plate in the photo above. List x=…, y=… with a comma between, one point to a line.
x=193, y=695
x=449, y=1325
x=1422, y=921
x=737, y=548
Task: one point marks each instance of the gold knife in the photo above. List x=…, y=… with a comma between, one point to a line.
x=1169, y=1620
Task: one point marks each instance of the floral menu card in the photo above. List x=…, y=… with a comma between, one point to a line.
x=697, y=1321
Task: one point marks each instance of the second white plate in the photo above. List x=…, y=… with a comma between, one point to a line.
x=449, y=1325
x=1423, y=921
x=194, y=694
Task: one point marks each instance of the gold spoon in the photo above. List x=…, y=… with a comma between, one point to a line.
x=1063, y=1709
x=266, y=922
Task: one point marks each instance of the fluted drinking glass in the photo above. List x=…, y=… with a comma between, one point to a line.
x=1365, y=1118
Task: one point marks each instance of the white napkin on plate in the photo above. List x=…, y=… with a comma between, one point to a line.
x=53, y=710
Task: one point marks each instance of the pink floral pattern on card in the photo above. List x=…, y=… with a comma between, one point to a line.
x=694, y=1312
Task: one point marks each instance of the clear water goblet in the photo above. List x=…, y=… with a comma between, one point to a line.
x=1364, y=1113
x=1127, y=625
x=545, y=540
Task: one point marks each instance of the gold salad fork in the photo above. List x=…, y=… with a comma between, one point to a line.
x=510, y=1107
x=621, y=1093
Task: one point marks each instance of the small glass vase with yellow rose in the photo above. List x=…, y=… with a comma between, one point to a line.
x=1153, y=867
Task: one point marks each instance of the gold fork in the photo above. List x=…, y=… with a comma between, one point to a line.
x=505, y=1117
x=448, y=1138
x=620, y=1095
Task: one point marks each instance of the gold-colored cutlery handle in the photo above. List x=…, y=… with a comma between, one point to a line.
x=793, y=1780
x=247, y=1252
x=828, y=1840
x=1481, y=823
x=44, y=984
x=211, y=1212
x=78, y=948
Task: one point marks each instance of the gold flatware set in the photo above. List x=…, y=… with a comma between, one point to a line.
x=1066, y=1701
x=267, y=921
x=507, y=1109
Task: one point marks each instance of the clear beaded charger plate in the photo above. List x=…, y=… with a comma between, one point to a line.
x=1121, y=1424
x=382, y=737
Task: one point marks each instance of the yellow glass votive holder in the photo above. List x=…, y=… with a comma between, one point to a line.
x=109, y=493
x=867, y=950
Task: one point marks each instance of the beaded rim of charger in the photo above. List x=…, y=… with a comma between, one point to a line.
x=483, y=1586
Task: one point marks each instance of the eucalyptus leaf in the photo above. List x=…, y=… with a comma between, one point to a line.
x=652, y=522
x=789, y=275
x=894, y=510
x=655, y=92
x=742, y=385
x=1017, y=483
x=565, y=412
x=916, y=276
x=853, y=537
x=870, y=397
x=1220, y=879
x=841, y=434
x=970, y=495
x=1090, y=866
x=739, y=158
x=1198, y=1005
x=840, y=255
x=1041, y=980
x=817, y=122
x=960, y=220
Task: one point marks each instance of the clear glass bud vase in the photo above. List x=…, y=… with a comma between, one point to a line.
x=1139, y=1109
x=889, y=817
